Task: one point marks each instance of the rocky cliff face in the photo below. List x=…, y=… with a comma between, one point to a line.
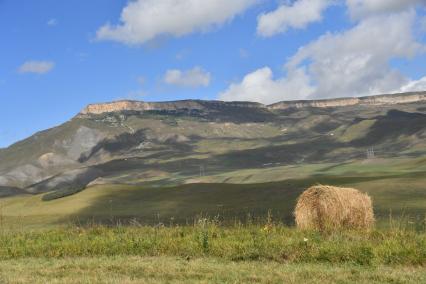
x=341, y=102
x=139, y=106
x=162, y=106
x=199, y=105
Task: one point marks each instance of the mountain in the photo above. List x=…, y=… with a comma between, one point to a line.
x=173, y=143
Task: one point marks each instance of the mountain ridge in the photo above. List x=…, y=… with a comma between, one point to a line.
x=133, y=105
x=170, y=143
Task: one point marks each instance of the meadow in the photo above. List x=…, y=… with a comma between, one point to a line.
x=396, y=187
x=215, y=232
x=124, y=269
x=210, y=252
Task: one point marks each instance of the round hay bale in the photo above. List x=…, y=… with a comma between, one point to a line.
x=324, y=207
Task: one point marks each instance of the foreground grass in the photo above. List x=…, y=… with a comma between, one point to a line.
x=237, y=243
x=209, y=253
x=135, y=269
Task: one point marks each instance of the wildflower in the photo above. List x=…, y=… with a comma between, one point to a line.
x=305, y=240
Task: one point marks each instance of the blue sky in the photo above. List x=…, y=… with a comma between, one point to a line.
x=58, y=56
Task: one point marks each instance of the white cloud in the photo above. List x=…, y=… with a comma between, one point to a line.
x=145, y=20
x=362, y=8
x=414, y=86
x=351, y=63
x=298, y=15
x=356, y=62
x=195, y=77
x=52, y=22
x=301, y=13
x=260, y=86
x=37, y=67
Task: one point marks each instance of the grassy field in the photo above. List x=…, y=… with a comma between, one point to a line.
x=268, y=242
x=209, y=253
x=217, y=230
x=122, y=269
x=396, y=186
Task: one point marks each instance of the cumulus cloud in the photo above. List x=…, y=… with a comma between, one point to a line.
x=301, y=13
x=260, y=86
x=195, y=77
x=357, y=61
x=37, y=67
x=351, y=63
x=362, y=8
x=298, y=15
x=144, y=20
x=414, y=86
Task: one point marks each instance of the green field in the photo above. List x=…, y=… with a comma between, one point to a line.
x=217, y=230
x=207, y=252
x=121, y=269
x=396, y=186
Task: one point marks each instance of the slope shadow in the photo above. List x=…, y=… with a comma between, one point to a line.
x=7, y=191
x=391, y=126
x=184, y=204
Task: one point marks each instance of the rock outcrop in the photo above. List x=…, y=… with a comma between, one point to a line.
x=199, y=105
x=139, y=106
x=341, y=102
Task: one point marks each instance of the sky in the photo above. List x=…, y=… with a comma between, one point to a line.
x=58, y=56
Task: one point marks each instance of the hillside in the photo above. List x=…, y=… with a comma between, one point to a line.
x=173, y=143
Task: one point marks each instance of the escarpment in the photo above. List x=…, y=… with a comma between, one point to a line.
x=362, y=101
x=140, y=106
x=199, y=105
x=135, y=142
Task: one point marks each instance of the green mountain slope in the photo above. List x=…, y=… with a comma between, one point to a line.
x=166, y=144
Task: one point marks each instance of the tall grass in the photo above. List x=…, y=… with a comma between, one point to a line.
x=207, y=238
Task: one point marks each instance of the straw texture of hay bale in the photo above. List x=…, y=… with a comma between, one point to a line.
x=327, y=207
